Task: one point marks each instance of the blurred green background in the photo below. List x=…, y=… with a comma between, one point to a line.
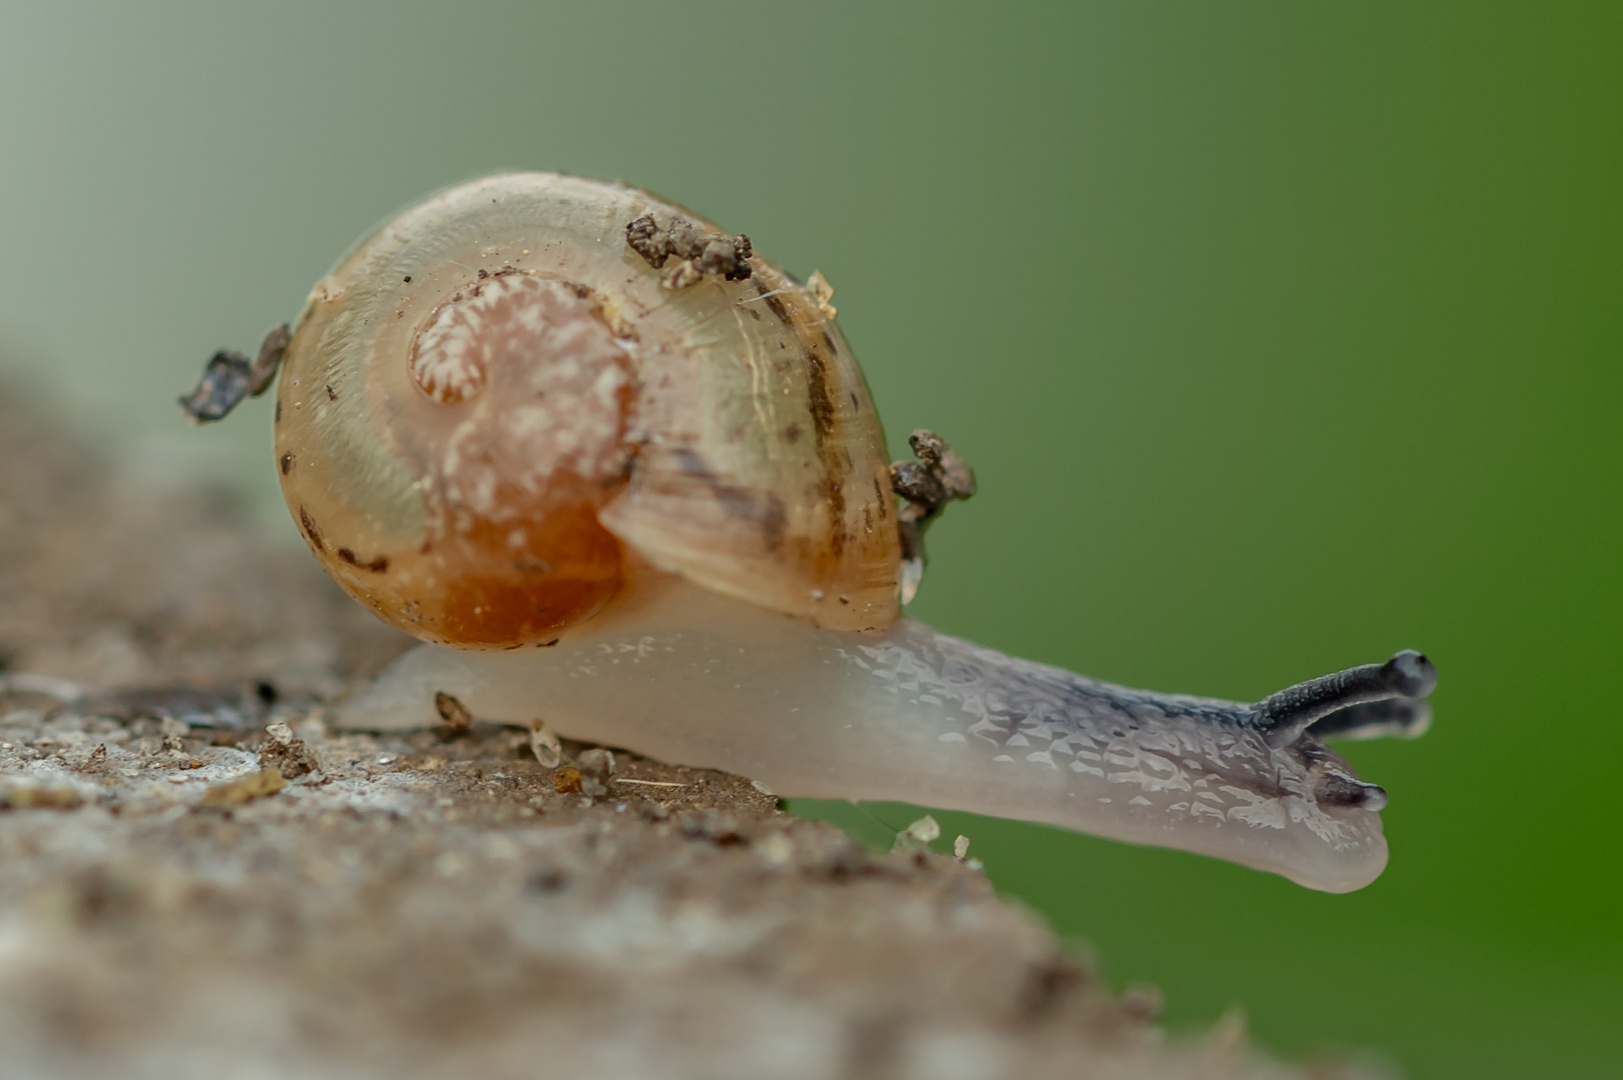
x=1281, y=336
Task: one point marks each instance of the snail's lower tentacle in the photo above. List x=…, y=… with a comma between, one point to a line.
x=917, y=716
x=1402, y=718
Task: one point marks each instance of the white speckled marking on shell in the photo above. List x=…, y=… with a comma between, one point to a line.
x=540, y=419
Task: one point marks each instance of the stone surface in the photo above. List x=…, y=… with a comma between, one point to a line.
x=198, y=878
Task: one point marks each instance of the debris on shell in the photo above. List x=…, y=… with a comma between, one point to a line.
x=697, y=253
x=823, y=293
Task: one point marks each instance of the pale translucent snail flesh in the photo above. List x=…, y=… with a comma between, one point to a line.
x=630, y=471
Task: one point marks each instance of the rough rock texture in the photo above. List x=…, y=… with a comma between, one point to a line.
x=197, y=878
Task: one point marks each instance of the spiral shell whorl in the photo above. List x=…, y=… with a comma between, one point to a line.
x=491, y=400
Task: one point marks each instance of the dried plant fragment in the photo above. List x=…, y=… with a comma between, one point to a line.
x=823, y=293
x=453, y=712
x=927, y=485
x=229, y=377
x=254, y=785
x=26, y=796
x=697, y=253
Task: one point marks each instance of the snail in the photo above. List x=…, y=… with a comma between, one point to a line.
x=619, y=472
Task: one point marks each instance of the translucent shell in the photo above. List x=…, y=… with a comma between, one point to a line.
x=491, y=413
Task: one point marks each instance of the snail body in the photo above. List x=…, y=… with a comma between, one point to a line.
x=918, y=716
x=628, y=471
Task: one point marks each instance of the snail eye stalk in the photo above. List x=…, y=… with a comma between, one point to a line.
x=1284, y=716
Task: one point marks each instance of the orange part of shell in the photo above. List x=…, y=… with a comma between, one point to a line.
x=509, y=413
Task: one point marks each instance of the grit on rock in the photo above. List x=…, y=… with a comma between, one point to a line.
x=199, y=879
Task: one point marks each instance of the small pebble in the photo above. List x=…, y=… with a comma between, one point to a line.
x=918, y=836
x=777, y=850
x=596, y=762
x=254, y=785
x=546, y=747
x=453, y=712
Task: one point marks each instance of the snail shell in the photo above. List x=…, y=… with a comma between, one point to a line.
x=492, y=413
